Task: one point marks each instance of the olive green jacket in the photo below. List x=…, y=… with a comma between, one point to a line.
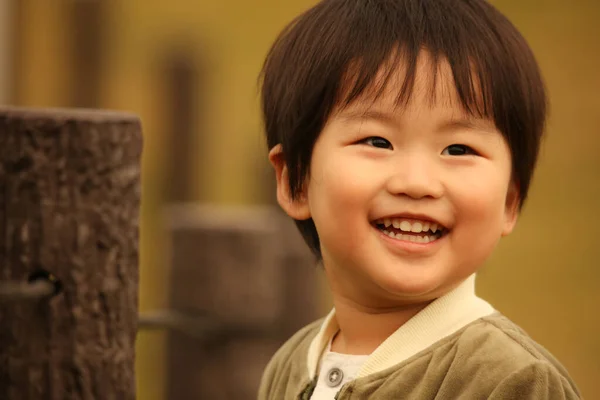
x=487, y=358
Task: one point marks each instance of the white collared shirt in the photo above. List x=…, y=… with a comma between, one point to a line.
x=336, y=369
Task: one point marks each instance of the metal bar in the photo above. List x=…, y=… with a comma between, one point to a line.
x=40, y=284
x=17, y=291
x=197, y=325
x=45, y=285
x=193, y=325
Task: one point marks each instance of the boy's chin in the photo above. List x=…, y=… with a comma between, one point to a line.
x=420, y=289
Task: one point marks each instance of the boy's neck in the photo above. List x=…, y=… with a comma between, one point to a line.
x=362, y=330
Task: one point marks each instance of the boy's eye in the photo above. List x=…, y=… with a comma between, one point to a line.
x=458, y=150
x=378, y=142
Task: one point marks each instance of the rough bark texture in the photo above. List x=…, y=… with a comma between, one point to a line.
x=69, y=200
x=249, y=272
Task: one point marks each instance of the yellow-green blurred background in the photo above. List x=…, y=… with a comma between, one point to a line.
x=146, y=56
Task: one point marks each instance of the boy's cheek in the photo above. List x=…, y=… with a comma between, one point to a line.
x=343, y=183
x=482, y=212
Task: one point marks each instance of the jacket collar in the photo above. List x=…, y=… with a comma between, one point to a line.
x=441, y=318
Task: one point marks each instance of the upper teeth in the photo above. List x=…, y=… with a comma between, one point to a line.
x=410, y=226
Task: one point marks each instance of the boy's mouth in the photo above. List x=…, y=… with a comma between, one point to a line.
x=411, y=230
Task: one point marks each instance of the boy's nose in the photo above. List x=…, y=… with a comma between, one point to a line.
x=416, y=177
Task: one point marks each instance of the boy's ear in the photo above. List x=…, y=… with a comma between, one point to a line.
x=511, y=212
x=296, y=208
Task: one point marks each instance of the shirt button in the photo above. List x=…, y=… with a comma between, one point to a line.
x=334, y=377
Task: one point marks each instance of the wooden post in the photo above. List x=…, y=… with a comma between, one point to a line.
x=247, y=271
x=69, y=200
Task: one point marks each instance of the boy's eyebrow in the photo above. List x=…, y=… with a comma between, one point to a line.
x=361, y=115
x=467, y=123
x=447, y=125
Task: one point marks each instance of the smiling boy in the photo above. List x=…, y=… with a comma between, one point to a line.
x=404, y=135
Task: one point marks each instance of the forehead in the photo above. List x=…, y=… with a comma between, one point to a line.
x=399, y=87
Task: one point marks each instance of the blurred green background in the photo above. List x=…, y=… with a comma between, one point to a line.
x=189, y=69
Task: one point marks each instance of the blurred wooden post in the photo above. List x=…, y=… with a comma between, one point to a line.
x=69, y=199
x=244, y=268
x=88, y=25
x=181, y=74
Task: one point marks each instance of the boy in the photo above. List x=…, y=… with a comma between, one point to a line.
x=404, y=134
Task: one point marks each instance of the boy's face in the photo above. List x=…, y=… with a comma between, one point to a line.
x=378, y=171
